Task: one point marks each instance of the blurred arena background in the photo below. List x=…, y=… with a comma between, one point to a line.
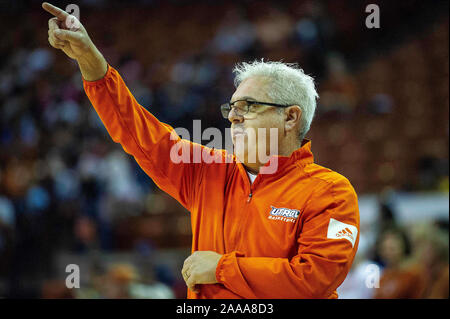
x=69, y=195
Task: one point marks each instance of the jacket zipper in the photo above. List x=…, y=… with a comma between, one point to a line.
x=245, y=217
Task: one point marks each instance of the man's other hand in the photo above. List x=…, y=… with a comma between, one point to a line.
x=200, y=268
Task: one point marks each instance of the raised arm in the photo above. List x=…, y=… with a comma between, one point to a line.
x=153, y=144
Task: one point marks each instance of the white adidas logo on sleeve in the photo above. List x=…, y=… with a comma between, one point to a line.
x=338, y=230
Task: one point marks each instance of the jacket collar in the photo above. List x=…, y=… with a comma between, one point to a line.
x=301, y=156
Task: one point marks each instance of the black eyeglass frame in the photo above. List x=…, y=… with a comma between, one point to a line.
x=226, y=107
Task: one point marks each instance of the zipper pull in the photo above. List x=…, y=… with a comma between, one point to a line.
x=249, y=198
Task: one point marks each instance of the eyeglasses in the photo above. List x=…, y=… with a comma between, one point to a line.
x=242, y=107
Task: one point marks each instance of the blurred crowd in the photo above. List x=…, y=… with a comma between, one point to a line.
x=66, y=187
x=406, y=261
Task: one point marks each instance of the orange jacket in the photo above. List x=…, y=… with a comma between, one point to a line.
x=295, y=236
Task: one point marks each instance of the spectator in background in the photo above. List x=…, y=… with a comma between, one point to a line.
x=117, y=281
x=123, y=281
x=398, y=281
x=339, y=92
x=430, y=260
x=424, y=274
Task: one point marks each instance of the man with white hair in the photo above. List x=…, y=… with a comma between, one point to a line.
x=272, y=226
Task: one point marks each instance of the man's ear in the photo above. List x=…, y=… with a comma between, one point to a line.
x=293, y=115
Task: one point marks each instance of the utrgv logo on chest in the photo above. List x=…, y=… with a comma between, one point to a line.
x=283, y=214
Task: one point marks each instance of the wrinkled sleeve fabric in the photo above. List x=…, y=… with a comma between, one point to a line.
x=321, y=263
x=142, y=135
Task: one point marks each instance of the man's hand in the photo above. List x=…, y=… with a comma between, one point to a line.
x=75, y=43
x=200, y=268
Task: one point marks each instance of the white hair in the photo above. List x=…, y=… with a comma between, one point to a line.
x=289, y=85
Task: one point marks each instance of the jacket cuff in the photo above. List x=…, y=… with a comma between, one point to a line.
x=225, y=267
x=99, y=81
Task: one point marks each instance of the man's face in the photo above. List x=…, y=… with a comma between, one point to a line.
x=247, y=139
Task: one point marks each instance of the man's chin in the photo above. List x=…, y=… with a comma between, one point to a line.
x=245, y=157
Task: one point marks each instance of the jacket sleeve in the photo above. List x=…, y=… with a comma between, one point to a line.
x=327, y=244
x=159, y=151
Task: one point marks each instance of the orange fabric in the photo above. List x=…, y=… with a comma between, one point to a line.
x=415, y=281
x=438, y=288
x=400, y=284
x=262, y=257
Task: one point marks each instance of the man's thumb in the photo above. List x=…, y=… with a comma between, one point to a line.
x=67, y=35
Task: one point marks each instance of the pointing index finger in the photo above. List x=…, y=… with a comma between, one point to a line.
x=57, y=12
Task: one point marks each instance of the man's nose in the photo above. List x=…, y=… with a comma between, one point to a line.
x=233, y=117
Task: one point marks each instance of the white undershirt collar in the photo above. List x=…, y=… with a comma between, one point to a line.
x=251, y=176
